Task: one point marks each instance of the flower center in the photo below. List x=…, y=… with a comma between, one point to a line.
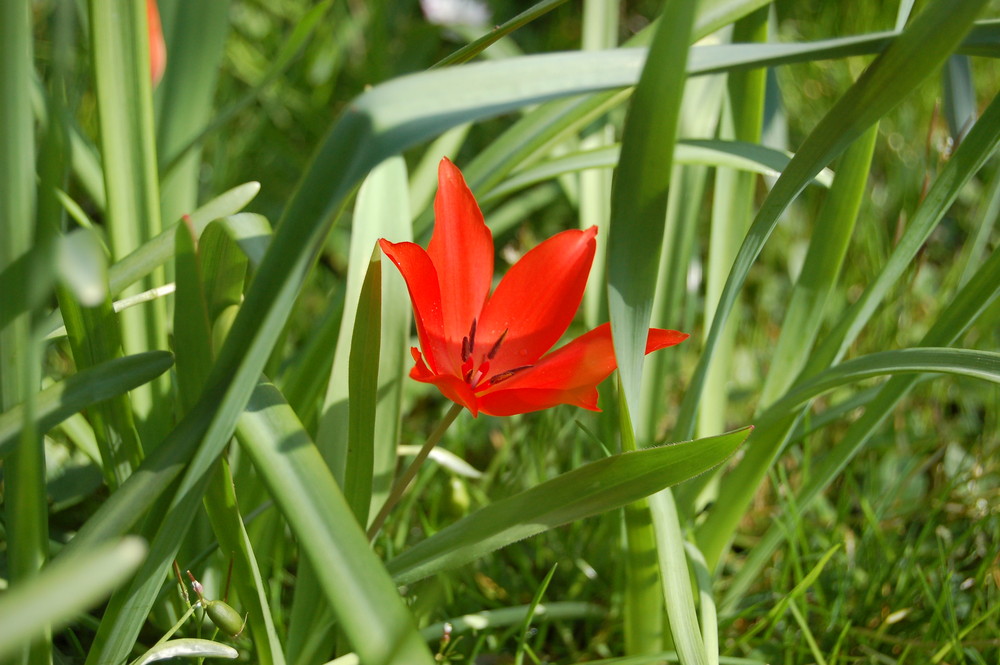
x=478, y=376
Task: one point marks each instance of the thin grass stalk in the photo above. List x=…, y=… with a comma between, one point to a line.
x=716, y=531
x=600, y=31
x=821, y=269
x=300, y=36
x=971, y=260
x=732, y=211
x=120, y=48
x=817, y=281
x=922, y=47
x=643, y=613
x=673, y=305
x=195, y=34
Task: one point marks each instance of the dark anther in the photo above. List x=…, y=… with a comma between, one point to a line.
x=496, y=347
x=503, y=376
x=468, y=343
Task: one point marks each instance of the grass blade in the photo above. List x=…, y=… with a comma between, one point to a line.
x=588, y=490
x=923, y=46
x=90, y=386
x=195, y=34
x=369, y=609
x=742, y=482
x=964, y=309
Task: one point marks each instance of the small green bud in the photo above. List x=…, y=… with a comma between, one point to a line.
x=224, y=617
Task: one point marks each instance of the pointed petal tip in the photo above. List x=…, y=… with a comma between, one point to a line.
x=661, y=339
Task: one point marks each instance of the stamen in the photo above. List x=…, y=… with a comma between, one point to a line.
x=468, y=343
x=503, y=376
x=496, y=347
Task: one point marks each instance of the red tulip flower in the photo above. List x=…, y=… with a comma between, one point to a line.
x=488, y=352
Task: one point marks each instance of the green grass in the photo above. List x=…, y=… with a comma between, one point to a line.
x=857, y=524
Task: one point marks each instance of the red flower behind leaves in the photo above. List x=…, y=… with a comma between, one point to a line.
x=157, y=47
x=488, y=352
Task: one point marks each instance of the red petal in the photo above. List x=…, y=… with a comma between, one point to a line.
x=422, y=283
x=452, y=387
x=461, y=249
x=526, y=400
x=568, y=375
x=537, y=299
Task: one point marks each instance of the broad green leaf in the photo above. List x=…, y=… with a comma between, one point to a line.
x=381, y=211
x=25, y=500
x=224, y=266
x=95, y=338
x=157, y=251
x=638, y=210
x=90, y=386
x=252, y=232
x=714, y=14
x=589, y=490
x=192, y=330
x=675, y=580
x=959, y=96
x=363, y=391
x=188, y=647
x=983, y=365
x=639, y=193
x=365, y=600
x=66, y=588
x=710, y=152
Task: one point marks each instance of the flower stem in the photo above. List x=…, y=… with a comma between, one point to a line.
x=411, y=471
